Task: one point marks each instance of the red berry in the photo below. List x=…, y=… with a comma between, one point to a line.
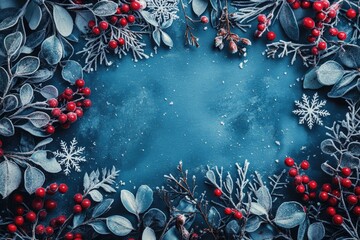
x=63, y=188
x=96, y=31
x=352, y=199
x=50, y=204
x=293, y=172
x=49, y=231
x=261, y=27
x=295, y=5
x=357, y=190
x=300, y=189
x=71, y=106
x=69, y=236
x=341, y=36
x=30, y=216
x=270, y=36
x=68, y=92
x=131, y=18
x=346, y=171
x=314, y=51
x=336, y=193
x=337, y=219
x=62, y=118
x=125, y=8
x=78, y=197
x=346, y=183
x=113, y=19
x=217, y=192
x=308, y=23
x=86, y=91
x=86, y=203
x=112, y=44
x=356, y=211
x=323, y=196
x=322, y=45
x=135, y=6
x=121, y=41
x=19, y=220
x=19, y=210
x=1, y=152
x=326, y=187
x=91, y=24
x=312, y=185
x=298, y=180
x=332, y=13
x=305, y=198
x=305, y=165
x=61, y=220
x=330, y=211
x=312, y=195
x=103, y=25
x=261, y=18
x=315, y=32
x=332, y=201
x=320, y=16
x=351, y=13
x=72, y=117
x=326, y=4
x=79, y=112
x=87, y=103
x=53, y=187
x=11, y=228
x=50, y=129
x=77, y=209
x=318, y=6
x=40, y=229
x=37, y=204
x=333, y=31
x=53, y=102
x=80, y=83
x=238, y=215
x=305, y=179
x=77, y=235
x=123, y=22
x=42, y=214
x=118, y=10
x=18, y=198
x=56, y=112
x=227, y=211
x=305, y=4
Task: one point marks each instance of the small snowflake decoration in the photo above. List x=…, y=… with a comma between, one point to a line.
x=70, y=156
x=163, y=10
x=311, y=112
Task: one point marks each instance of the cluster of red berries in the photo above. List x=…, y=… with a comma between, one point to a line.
x=262, y=27
x=68, y=107
x=29, y=214
x=228, y=211
x=122, y=18
x=330, y=194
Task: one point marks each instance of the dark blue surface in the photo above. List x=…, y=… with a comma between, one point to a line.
x=198, y=106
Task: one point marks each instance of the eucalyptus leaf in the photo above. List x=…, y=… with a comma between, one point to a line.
x=128, y=200
x=156, y=36
x=149, y=18
x=30, y=128
x=310, y=79
x=6, y=127
x=12, y=43
x=229, y=183
x=72, y=71
x=63, y=21
x=33, y=179
x=49, y=91
x=302, y=229
x=166, y=39
x=348, y=160
x=347, y=83
x=27, y=65
x=44, y=142
x=232, y=229
x=252, y=223
x=172, y=234
x=214, y=217
x=289, y=215
x=10, y=103
x=327, y=169
x=316, y=231
x=4, y=79
x=40, y=76
x=96, y=195
x=119, y=225
x=35, y=38
x=288, y=22
x=264, y=197
x=257, y=209
x=46, y=160
x=148, y=234
x=100, y=227
x=78, y=219
x=33, y=15
x=82, y=19
x=102, y=207
x=51, y=50
x=154, y=218
x=26, y=94
x=144, y=198
x=328, y=146
x=210, y=175
x=9, y=17
x=264, y=232
x=68, y=49
x=39, y=119
x=330, y=73
x=349, y=56
x=10, y=177
x=104, y=8
x=199, y=6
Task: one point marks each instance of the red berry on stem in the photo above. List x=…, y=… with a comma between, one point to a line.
x=308, y=23
x=125, y=8
x=322, y=45
x=341, y=36
x=326, y=4
x=131, y=18
x=326, y=187
x=356, y=210
x=337, y=219
x=320, y=16
x=330, y=211
x=121, y=41
x=315, y=32
x=71, y=106
x=96, y=31
x=300, y=189
x=261, y=18
x=217, y=192
x=298, y=180
x=69, y=236
x=293, y=172
x=305, y=165
x=56, y=112
x=53, y=187
x=103, y=25
x=18, y=198
x=295, y=5
x=346, y=183
x=333, y=31
x=123, y=22
x=19, y=220
x=227, y=211
x=238, y=215
x=50, y=129
x=312, y=195
x=80, y=83
x=53, y=102
x=351, y=13
x=352, y=199
x=346, y=171
x=78, y=197
x=261, y=27
x=30, y=216
x=87, y=103
x=305, y=4
x=332, y=201
x=331, y=13
x=336, y=193
x=314, y=51
x=318, y=6
x=11, y=228
x=72, y=117
x=77, y=209
x=20, y=210
x=91, y=24
x=63, y=188
x=112, y=44
x=68, y=92
x=305, y=198
x=305, y=179
x=323, y=196
x=42, y=214
x=135, y=6
x=312, y=185
x=357, y=190
x=62, y=118
x=37, y=204
x=270, y=36
x=79, y=112
x=49, y=231
x=204, y=19
x=118, y=10
x=113, y=19
x=50, y=204
x=39, y=229
x=61, y=220
x=86, y=91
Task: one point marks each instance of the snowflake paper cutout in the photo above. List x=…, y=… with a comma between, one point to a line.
x=311, y=112
x=163, y=10
x=70, y=156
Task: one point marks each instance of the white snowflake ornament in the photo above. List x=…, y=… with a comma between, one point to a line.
x=310, y=111
x=70, y=156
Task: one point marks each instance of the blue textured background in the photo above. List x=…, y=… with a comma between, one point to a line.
x=198, y=106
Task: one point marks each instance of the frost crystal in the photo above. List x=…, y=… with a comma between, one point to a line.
x=163, y=10
x=70, y=156
x=311, y=112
